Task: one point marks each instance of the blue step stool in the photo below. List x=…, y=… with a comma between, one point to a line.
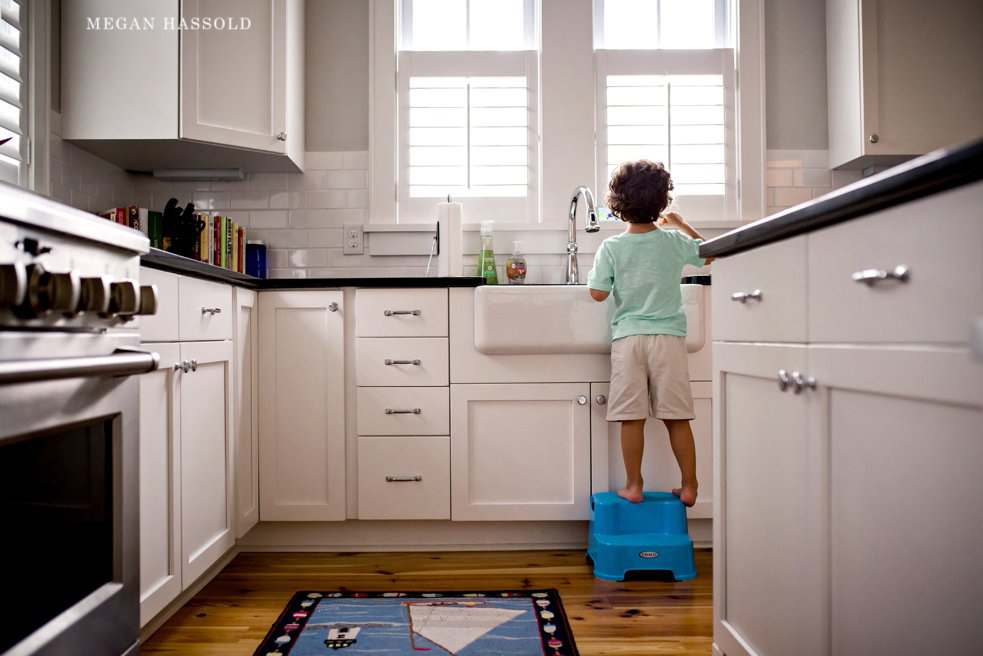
x=650, y=535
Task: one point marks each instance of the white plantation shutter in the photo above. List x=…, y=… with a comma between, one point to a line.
x=12, y=75
x=666, y=93
x=467, y=116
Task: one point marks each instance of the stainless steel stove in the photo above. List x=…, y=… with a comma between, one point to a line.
x=69, y=351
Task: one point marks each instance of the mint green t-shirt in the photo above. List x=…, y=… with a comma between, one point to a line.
x=642, y=272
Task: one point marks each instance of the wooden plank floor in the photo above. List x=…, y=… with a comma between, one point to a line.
x=232, y=613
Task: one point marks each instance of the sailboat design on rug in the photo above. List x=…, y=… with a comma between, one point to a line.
x=453, y=625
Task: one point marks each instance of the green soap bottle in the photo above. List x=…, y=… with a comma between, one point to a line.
x=486, y=258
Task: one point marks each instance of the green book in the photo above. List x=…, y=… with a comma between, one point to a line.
x=155, y=229
x=224, y=241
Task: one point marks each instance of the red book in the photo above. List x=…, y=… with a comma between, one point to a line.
x=121, y=215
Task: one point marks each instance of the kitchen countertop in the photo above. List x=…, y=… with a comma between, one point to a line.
x=158, y=259
x=926, y=175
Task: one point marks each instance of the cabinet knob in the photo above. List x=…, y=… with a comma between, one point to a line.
x=183, y=365
x=281, y=136
x=873, y=138
x=333, y=306
x=783, y=380
x=743, y=297
x=194, y=364
x=800, y=383
x=601, y=399
x=581, y=400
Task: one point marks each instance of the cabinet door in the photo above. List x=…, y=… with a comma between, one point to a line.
x=160, y=476
x=659, y=469
x=520, y=451
x=302, y=406
x=246, y=426
x=234, y=82
x=906, y=440
x=769, y=529
x=206, y=393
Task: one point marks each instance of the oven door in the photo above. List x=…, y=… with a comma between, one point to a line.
x=69, y=493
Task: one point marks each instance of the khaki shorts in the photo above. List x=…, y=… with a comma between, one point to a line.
x=649, y=378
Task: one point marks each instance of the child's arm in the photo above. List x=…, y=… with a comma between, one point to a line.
x=597, y=294
x=675, y=221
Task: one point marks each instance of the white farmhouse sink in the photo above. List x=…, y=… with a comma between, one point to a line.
x=525, y=319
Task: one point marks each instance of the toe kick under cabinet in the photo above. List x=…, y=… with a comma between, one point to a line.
x=402, y=417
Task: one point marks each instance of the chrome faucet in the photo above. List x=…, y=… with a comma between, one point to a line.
x=573, y=273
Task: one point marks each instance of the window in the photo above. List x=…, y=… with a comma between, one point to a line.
x=13, y=117
x=466, y=97
x=665, y=92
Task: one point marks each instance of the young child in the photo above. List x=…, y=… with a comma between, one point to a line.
x=640, y=268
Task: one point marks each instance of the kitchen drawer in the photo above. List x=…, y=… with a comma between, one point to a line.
x=412, y=361
x=778, y=313
x=938, y=239
x=419, y=480
x=205, y=310
x=163, y=325
x=403, y=410
x=401, y=313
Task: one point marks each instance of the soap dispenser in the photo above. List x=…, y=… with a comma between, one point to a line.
x=486, y=258
x=515, y=268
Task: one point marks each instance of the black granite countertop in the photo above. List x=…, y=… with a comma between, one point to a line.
x=158, y=259
x=930, y=174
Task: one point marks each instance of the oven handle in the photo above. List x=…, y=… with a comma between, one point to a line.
x=123, y=362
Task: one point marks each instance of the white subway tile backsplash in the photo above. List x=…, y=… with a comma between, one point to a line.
x=309, y=257
x=325, y=218
x=309, y=180
x=346, y=179
x=358, y=159
x=269, y=181
x=789, y=196
x=288, y=199
x=325, y=160
x=249, y=200
x=778, y=177
x=811, y=178
x=288, y=239
x=358, y=198
x=327, y=198
x=326, y=238
x=268, y=219
x=210, y=200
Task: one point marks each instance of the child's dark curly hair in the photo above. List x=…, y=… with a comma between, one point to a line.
x=639, y=191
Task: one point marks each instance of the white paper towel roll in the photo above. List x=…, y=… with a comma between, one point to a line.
x=449, y=262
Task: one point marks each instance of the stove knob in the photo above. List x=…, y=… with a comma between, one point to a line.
x=124, y=299
x=95, y=294
x=13, y=284
x=64, y=290
x=148, y=299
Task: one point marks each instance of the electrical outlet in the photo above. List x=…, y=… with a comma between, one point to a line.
x=353, y=240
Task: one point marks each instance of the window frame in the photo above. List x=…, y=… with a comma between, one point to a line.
x=567, y=139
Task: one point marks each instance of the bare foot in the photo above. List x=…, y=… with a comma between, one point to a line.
x=633, y=494
x=686, y=494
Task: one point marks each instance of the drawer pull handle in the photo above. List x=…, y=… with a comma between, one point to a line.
x=211, y=311
x=392, y=313
x=403, y=479
x=783, y=380
x=801, y=383
x=871, y=277
x=414, y=411
x=388, y=362
x=743, y=297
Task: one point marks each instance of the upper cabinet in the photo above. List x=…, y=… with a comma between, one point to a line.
x=185, y=84
x=903, y=78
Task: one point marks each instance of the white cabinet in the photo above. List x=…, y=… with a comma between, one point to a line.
x=845, y=464
x=769, y=553
x=161, y=97
x=302, y=406
x=160, y=496
x=205, y=392
x=246, y=405
x=903, y=78
x=905, y=434
x=520, y=452
x=659, y=468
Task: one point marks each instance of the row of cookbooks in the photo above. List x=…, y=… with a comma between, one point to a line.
x=221, y=242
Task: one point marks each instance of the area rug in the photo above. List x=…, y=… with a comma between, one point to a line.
x=461, y=623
